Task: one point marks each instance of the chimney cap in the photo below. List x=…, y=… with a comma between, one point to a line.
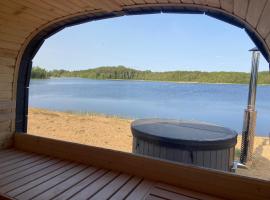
x=254, y=49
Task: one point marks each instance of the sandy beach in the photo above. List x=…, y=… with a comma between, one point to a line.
x=114, y=133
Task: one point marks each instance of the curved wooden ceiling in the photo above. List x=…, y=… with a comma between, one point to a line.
x=21, y=20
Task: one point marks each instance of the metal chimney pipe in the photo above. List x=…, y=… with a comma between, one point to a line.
x=249, y=125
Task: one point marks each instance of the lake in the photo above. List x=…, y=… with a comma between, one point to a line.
x=221, y=104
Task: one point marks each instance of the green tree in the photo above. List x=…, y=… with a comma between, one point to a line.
x=39, y=73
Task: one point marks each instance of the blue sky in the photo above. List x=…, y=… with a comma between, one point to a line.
x=157, y=42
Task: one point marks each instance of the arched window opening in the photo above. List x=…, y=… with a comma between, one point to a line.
x=76, y=99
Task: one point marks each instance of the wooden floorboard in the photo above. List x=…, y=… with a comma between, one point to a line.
x=13, y=156
x=6, y=152
x=21, y=163
x=123, y=192
x=96, y=186
x=35, y=191
x=25, y=176
x=19, y=158
x=29, y=182
x=141, y=190
x=20, y=166
x=65, y=185
x=41, y=165
x=112, y=187
x=81, y=185
x=160, y=193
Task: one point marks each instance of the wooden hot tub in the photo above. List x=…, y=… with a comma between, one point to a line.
x=196, y=143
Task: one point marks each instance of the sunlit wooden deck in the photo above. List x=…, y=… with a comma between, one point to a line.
x=42, y=168
x=32, y=176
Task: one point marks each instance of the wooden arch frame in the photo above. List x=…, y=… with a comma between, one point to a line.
x=38, y=37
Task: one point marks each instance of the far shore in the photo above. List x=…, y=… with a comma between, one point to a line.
x=159, y=81
x=113, y=132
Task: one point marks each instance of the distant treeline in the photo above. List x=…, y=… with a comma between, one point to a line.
x=124, y=73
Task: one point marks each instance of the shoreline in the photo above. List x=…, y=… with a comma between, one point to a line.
x=158, y=81
x=93, y=114
x=112, y=132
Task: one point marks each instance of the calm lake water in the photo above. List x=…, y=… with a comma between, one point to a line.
x=222, y=104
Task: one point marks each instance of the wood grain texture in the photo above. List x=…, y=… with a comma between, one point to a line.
x=7, y=104
x=33, y=176
x=240, y=8
x=214, y=3
x=187, y=1
x=21, y=21
x=7, y=116
x=263, y=24
x=6, y=69
x=268, y=40
x=226, y=185
x=255, y=10
x=200, y=2
x=5, y=125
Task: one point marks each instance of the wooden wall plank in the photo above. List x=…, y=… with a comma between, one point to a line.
x=226, y=185
x=7, y=116
x=227, y=5
x=162, y=1
x=5, y=60
x=39, y=4
x=15, y=6
x=13, y=14
x=126, y=2
x=5, y=69
x=240, y=8
x=5, y=95
x=74, y=7
x=17, y=37
x=213, y=3
x=254, y=12
x=8, y=78
x=268, y=41
x=145, y=1
x=187, y=1
x=7, y=104
x=9, y=45
x=264, y=25
x=107, y=5
x=148, y=1
x=11, y=23
x=201, y=2
x=81, y=5
x=8, y=53
x=60, y=5
x=20, y=31
x=4, y=87
x=5, y=126
x=6, y=139
x=180, y=1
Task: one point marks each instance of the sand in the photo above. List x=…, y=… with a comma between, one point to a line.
x=114, y=133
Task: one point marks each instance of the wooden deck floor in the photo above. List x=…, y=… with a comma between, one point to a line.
x=31, y=176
